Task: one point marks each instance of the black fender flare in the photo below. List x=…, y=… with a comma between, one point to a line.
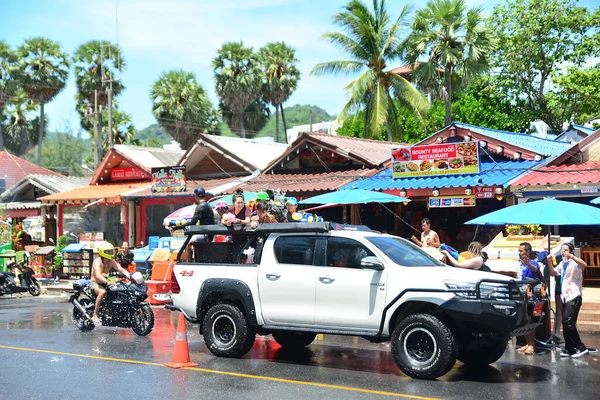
x=227, y=289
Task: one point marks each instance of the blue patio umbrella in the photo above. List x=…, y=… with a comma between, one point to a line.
x=547, y=211
x=354, y=196
x=595, y=201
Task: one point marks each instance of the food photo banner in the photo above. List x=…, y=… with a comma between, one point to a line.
x=168, y=179
x=436, y=159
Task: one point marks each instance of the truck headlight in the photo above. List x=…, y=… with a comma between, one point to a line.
x=487, y=291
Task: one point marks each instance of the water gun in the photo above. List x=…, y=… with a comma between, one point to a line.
x=180, y=222
x=306, y=217
x=228, y=218
x=453, y=252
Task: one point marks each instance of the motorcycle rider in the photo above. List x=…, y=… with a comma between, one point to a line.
x=100, y=269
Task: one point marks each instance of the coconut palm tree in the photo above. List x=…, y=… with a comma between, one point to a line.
x=97, y=66
x=7, y=81
x=372, y=38
x=281, y=76
x=43, y=73
x=181, y=106
x=238, y=79
x=455, y=43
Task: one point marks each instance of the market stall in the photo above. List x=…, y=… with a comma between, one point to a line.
x=42, y=262
x=77, y=260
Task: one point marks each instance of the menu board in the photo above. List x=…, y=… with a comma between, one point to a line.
x=451, y=201
x=436, y=159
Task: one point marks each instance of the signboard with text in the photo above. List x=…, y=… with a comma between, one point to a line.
x=436, y=159
x=127, y=174
x=589, y=189
x=168, y=179
x=451, y=201
x=484, y=192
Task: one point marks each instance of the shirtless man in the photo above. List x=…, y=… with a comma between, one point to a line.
x=428, y=237
x=100, y=269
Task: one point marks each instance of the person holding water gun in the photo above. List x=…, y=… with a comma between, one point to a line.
x=476, y=262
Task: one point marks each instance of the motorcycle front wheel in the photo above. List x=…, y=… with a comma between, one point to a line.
x=34, y=288
x=81, y=320
x=143, y=320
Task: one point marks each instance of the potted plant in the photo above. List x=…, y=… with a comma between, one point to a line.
x=61, y=243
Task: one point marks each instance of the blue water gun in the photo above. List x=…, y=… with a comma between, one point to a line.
x=306, y=217
x=453, y=252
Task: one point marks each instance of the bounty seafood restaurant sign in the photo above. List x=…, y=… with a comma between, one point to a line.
x=451, y=201
x=168, y=179
x=436, y=159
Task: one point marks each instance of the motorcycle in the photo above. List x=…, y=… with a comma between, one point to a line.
x=27, y=282
x=123, y=306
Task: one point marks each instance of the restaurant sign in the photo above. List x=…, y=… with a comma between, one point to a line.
x=451, y=201
x=127, y=174
x=436, y=159
x=484, y=192
x=168, y=179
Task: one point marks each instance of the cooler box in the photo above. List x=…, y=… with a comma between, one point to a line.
x=171, y=243
x=140, y=258
x=155, y=287
x=153, y=242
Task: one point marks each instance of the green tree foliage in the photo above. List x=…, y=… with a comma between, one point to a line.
x=43, y=72
x=238, y=79
x=298, y=115
x=281, y=76
x=456, y=44
x=153, y=136
x=372, y=40
x=65, y=153
x=576, y=95
x=537, y=37
x=181, y=106
x=19, y=124
x=8, y=65
x=256, y=117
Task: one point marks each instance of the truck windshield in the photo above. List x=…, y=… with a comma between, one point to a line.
x=404, y=253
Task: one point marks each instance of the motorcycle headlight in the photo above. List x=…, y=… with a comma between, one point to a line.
x=487, y=291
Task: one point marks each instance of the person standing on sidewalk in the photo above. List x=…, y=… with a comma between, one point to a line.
x=570, y=270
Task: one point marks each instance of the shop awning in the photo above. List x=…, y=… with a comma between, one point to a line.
x=492, y=173
x=74, y=248
x=44, y=251
x=21, y=209
x=110, y=193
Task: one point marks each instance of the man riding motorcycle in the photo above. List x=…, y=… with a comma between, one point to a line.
x=100, y=269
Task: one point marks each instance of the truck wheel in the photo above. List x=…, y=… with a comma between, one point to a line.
x=482, y=355
x=226, y=331
x=423, y=346
x=294, y=340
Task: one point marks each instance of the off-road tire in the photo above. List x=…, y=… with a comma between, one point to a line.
x=482, y=355
x=294, y=340
x=82, y=322
x=226, y=331
x=142, y=321
x=423, y=346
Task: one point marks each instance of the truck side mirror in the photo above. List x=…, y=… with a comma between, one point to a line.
x=371, y=262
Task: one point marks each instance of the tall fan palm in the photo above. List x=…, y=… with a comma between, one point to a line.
x=181, y=106
x=255, y=118
x=7, y=81
x=281, y=76
x=372, y=41
x=452, y=40
x=43, y=73
x=97, y=66
x=238, y=79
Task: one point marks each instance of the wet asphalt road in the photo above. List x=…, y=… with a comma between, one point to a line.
x=43, y=356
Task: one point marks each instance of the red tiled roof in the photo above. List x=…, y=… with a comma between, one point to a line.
x=588, y=172
x=15, y=169
x=291, y=183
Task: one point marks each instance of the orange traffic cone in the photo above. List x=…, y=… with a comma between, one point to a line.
x=181, y=357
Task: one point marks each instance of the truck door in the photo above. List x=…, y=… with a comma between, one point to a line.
x=287, y=281
x=347, y=295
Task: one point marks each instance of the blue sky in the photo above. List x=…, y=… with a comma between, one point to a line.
x=159, y=35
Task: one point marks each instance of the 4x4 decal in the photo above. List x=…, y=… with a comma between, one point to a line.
x=187, y=273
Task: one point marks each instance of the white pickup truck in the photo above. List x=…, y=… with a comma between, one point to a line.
x=295, y=280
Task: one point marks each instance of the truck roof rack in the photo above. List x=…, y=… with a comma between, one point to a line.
x=285, y=227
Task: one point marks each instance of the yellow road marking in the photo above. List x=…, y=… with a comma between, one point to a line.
x=236, y=374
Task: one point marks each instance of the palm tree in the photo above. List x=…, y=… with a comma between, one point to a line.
x=255, y=118
x=372, y=40
x=43, y=73
x=281, y=76
x=7, y=81
x=454, y=41
x=97, y=64
x=238, y=79
x=21, y=130
x=181, y=106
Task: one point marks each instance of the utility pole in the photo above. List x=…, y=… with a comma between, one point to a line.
x=311, y=119
x=110, y=82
